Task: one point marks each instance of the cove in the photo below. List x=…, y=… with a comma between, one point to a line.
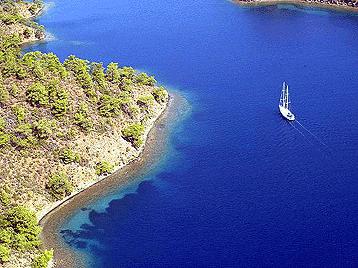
x=237, y=186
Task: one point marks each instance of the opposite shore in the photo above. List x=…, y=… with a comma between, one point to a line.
x=336, y=6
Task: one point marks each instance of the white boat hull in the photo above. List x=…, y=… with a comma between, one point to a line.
x=286, y=113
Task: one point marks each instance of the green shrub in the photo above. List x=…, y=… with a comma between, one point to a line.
x=23, y=243
x=160, y=94
x=104, y=168
x=38, y=71
x=10, y=43
x=4, y=199
x=20, y=112
x=133, y=133
x=127, y=84
x=9, y=18
x=2, y=124
x=43, y=129
x=98, y=75
x=4, y=94
x=133, y=111
x=72, y=133
x=24, y=129
x=42, y=260
x=42, y=65
x=127, y=72
x=80, y=68
x=38, y=94
x=109, y=106
x=4, y=253
x=6, y=236
x=59, y=107
x=112, y=73
x=68, y=156
x=14, y=90
x=59, y=186
x=145, y=80
x=29, y=59
x=51, y=63
x=59, y=98
x=24, y=142
x=10, y=64
x=4, y=138
x=23, y=136
x=126, y=77
x=125, y=97
x=22, y=223
x=82, y=119
x=145, y=100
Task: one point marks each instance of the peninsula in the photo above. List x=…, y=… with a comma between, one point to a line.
x=63, y=127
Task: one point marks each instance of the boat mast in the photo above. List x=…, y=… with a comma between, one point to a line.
x=287, y=101
x=283, y=97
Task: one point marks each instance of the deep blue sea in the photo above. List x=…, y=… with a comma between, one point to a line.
x=238, y=185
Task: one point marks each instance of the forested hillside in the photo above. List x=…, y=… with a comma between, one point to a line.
x=62, y=125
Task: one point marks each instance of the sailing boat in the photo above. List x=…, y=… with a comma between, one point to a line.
x=284, y=104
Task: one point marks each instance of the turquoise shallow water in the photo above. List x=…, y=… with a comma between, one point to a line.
x=238, y=185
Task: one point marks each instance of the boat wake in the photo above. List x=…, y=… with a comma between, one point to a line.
x=313, y=135
x=308, y=135
x=299, y=131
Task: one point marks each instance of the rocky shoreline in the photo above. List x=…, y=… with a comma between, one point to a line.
x=28, y=32
x=337, y=5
